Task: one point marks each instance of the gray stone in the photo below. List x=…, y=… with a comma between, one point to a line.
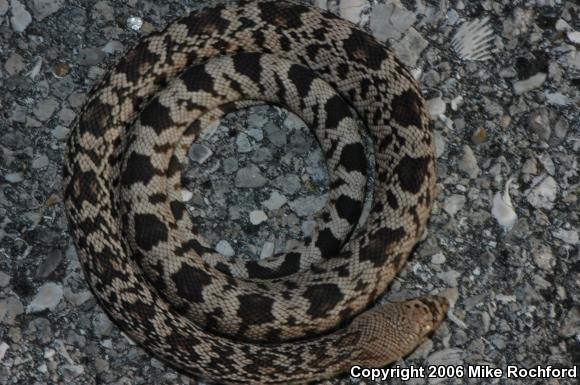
x=305, y=206
x=21, y=18
x=243, y=143
x=308, y=228
x=10, y=308
x=18, y=114
x=44, y=110
x=4, y=279
x=102, y=326
x=256, y=121
x=3, y=349
x=540, y=123
x=315, y=166
x=353, y=10
x=249, y=177
x=78, y=298
x=14, y=65
x=40, y=161
x=543, y=257
x=60, y=132
x=438, y=259
x=14, y=177
x=199, y=153
x=570, y=327
x=409, y=48
x=48, y=297
x=76, y=99
x=543, y=194
x=102, y=366
x=288, y=183
x=66, y=116
x=454, y=203
x=135, y=23
x=41, y=328
x=275, y=134
x=256, y=133
x=294, y=122
x=468, y=163
x=449, y=277
x=230, y=165
x=436, y=107
x=523, y=86
x=44, y=8
x=261, y=155
x=568, y=236
x=50, y=263
x=440, y=143
x=224, y=248
x=104, y=10
x=390, y=21
x=113, y=46
x=257, y=217
x=90, y=56
x=561, y=128
x=275, y=201
x=3, y=7
x=267, y=250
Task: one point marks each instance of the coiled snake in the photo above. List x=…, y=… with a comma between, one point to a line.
x=293, y=317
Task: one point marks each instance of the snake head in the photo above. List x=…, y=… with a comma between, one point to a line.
x=391, y=331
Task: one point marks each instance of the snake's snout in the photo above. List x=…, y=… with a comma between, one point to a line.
x=438, y=307
x=391, y=331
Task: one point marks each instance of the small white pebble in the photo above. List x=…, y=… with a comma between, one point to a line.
x=267, y=250
x=14, y=177
x=257, y=217
x=503, y=209
x=224, y=248
x=568, y=236
x=135, y=23
x=49, y=353
x=456, y=102
x=49, y=295
x=3, y=349
x=574, y=37
x=436, y=107
x=438, y=259
x=186, y=195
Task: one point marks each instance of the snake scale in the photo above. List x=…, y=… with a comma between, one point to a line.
x=297, y=316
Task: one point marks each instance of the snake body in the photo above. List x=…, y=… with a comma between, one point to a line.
x=299, y=315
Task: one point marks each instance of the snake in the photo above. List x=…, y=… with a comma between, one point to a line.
x=309, y=313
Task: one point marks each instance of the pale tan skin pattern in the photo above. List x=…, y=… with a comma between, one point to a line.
x=271, y=321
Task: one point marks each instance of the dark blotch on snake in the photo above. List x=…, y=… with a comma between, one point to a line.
x=156, y=116
x=336, y=109
x=348, y=208
x=406, y=109
x=196, y=79
x=248, y=64
x=290, y=265
x=412, y=172
x=322, y=297
x=190, y=282
x=327, y=243
x=248, y=309
x=352, y=158
x=379, y=242
x=149, y=231
x=138, y=169
x=362, y=48
x=302, y=78
x=178, y=209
